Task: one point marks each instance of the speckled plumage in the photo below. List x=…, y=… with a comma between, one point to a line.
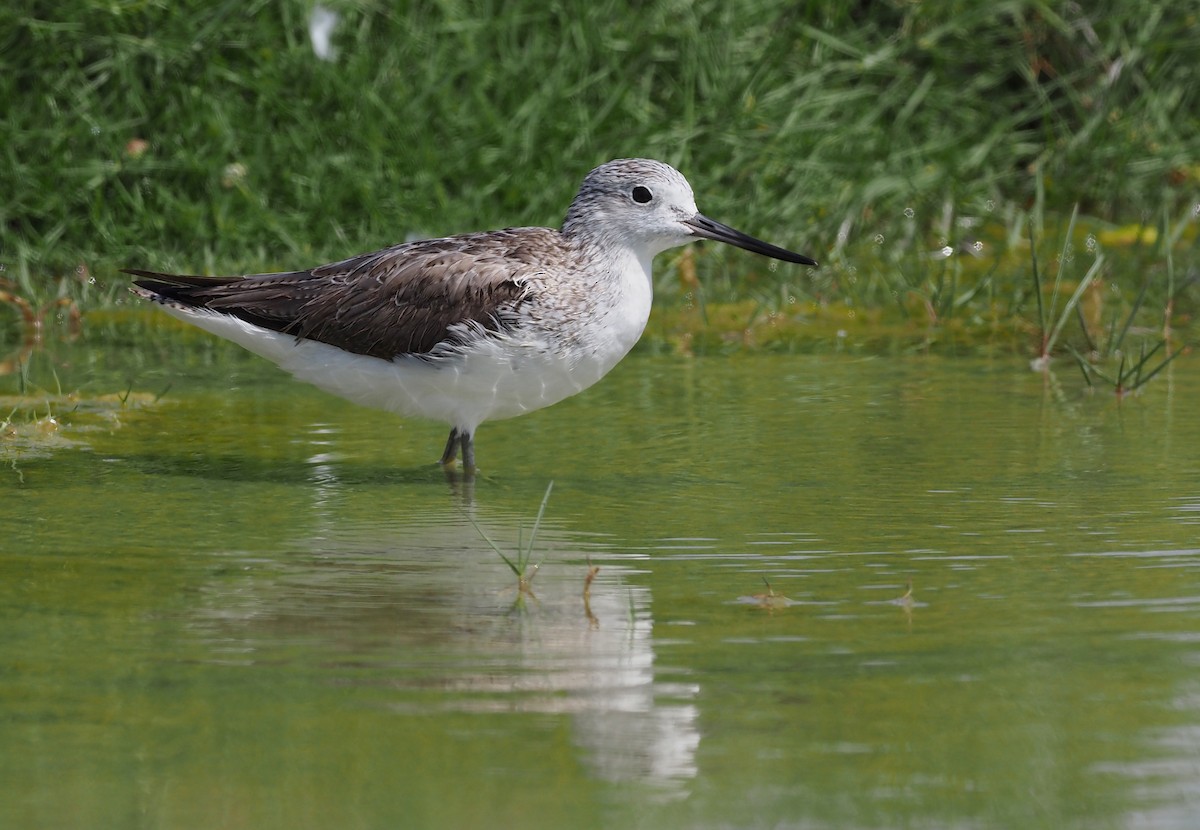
x=473, y=327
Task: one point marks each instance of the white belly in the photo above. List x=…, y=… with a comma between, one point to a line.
x=497, y=377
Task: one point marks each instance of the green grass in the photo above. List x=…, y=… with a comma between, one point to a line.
x=1050, y=322
x=1131, y=375
x=911, y=147
x=524, y=555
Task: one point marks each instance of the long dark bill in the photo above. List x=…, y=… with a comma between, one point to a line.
x=701, y=225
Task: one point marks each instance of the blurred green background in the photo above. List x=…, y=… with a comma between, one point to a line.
x=912, y=147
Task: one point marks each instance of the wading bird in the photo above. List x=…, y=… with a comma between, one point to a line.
x=468, y=328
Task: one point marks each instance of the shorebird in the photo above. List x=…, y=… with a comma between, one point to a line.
x=468, y=328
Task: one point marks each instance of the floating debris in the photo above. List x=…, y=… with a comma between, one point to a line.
x=769, y=599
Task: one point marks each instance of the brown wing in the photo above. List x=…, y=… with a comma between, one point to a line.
x=398, y=301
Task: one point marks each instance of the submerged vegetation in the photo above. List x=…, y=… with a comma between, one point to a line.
x=970, y=175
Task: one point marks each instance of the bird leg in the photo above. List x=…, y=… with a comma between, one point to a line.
x=460, y=440
x=451, y=451
x=467, y=441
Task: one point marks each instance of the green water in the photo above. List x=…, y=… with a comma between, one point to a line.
x=247, y=604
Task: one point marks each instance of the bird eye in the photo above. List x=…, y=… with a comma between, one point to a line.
x=641, y=195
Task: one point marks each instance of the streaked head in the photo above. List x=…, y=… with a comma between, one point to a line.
x=649, y=206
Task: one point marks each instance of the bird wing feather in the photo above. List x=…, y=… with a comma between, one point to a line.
x=403, y=300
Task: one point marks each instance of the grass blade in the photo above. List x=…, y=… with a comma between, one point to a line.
x=538, y=521
x=494, y=546
x=1159, y=367
x=1063, y=256
x=1137, y=304
x=1085, y=368
x=1071, y=303
x=1037, y=287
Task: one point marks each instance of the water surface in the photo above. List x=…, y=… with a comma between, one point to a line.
x=248, y=604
